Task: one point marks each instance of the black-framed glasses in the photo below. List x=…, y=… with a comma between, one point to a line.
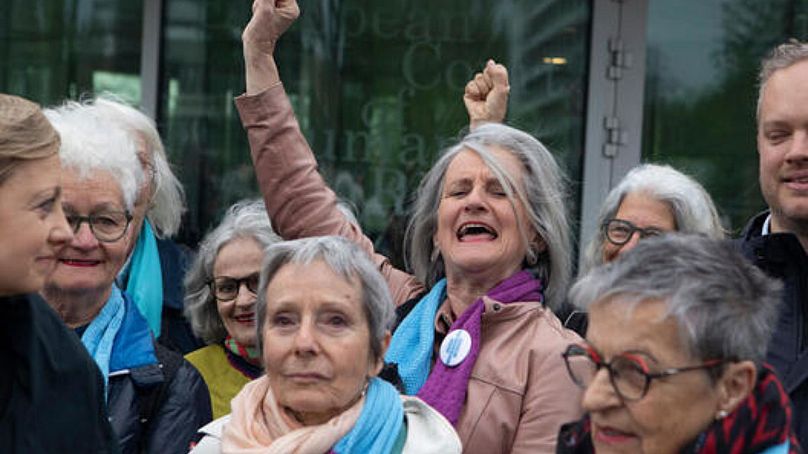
x=619, y=231
x=226, y=288
x=628, y=373
x=107, y=227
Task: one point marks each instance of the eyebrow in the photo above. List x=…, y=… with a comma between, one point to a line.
x=100, y=208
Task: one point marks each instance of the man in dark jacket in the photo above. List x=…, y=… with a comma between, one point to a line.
x=51, y=392
x=777, y=240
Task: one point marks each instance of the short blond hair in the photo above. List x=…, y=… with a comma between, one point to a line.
x=25, y=134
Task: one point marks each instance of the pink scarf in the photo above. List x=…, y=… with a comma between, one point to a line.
x=259, y=425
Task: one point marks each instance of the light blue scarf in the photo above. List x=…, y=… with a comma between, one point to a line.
x=145, y=283
x=413, y=342
x=379, y=424
x=99, y=337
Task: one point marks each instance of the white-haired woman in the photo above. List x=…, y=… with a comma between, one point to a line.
x=156, y=265
x=154, y=397
x=488, y=238
x=324, y=315
x=220, y=294
x=674, y=356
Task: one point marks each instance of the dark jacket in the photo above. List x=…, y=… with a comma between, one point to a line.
x=174, y=409
x=176, y=332
x=51, y=392
x=781, y=255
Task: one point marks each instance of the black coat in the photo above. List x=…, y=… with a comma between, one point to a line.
x=173, y=416
x=51, y=392
x=781, y=255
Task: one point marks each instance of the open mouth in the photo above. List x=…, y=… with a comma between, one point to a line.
x=476, y=231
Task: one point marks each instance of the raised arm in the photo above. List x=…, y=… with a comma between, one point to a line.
x=299, y=202
x=486, y=95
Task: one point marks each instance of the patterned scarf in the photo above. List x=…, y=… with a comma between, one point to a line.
x=760, y=424
x=445, y=389
x=249, y=354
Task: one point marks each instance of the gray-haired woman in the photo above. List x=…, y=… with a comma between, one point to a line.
x=673, y=358
x=489, y=239
x=220, y=295
x=650, y=200
x=324, y=317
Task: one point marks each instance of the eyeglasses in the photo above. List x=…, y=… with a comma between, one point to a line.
x=619, y=232
x=227, y=288
x=628, y=373
x=107, y=227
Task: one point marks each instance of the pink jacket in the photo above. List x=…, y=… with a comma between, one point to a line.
x=519, y=393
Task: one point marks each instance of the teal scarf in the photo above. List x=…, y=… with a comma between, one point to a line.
x=145, y=283
x=379, y=424
x=99, y=336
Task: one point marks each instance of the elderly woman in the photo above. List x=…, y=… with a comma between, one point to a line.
x=221, y=289
x=155, y=398
x=650, y=200
x=488, y=238
x=155, y=266
x=323, y=340
x=673, y=360
x=51, y=394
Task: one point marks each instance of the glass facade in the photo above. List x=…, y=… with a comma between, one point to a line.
x=56, y=49
x=701, y=91
x=377, y=89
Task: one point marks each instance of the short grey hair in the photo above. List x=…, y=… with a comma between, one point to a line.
x=167, y=203
x=345, y=259
x=245, y=219
x=92, y=142
x=543, y=193
x=725, y=307
x=692, y=207
x=781, y=57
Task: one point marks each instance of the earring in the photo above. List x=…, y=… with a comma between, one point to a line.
x=721, y=415
x=532, y=257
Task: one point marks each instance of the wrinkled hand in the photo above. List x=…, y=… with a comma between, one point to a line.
x=270, y=19
x=486, y=95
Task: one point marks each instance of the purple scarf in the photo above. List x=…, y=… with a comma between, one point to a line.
x=445, y=389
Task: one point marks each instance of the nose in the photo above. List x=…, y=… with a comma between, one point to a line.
x=245, y=297
x=475, y=200
x=630, y=244
x=60, y=232
x=84, y=238
x=306, y=339
x=600, y=393
x=798, y=151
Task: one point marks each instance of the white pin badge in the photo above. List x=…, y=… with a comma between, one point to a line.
x=455, y=347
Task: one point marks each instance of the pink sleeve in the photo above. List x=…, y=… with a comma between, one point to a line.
x=299, y=202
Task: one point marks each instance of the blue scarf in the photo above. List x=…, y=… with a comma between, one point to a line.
x=379, y=424
x=145, y=283
x=412, y=344
x=99, y=336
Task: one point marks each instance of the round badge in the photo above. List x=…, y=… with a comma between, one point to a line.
x=455, y=347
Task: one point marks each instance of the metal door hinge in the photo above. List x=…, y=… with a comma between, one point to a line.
x=615, y=136
x=619, y=59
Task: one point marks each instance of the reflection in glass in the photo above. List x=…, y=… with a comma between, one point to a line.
x=377, y=88
x=701, y=91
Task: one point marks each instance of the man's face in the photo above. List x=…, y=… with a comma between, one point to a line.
x=782, y=141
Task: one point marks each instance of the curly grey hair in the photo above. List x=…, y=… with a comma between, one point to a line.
x=542, y=192
x=245, y=219
x=725, y=307
x=692, y=207
x=347, y=260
